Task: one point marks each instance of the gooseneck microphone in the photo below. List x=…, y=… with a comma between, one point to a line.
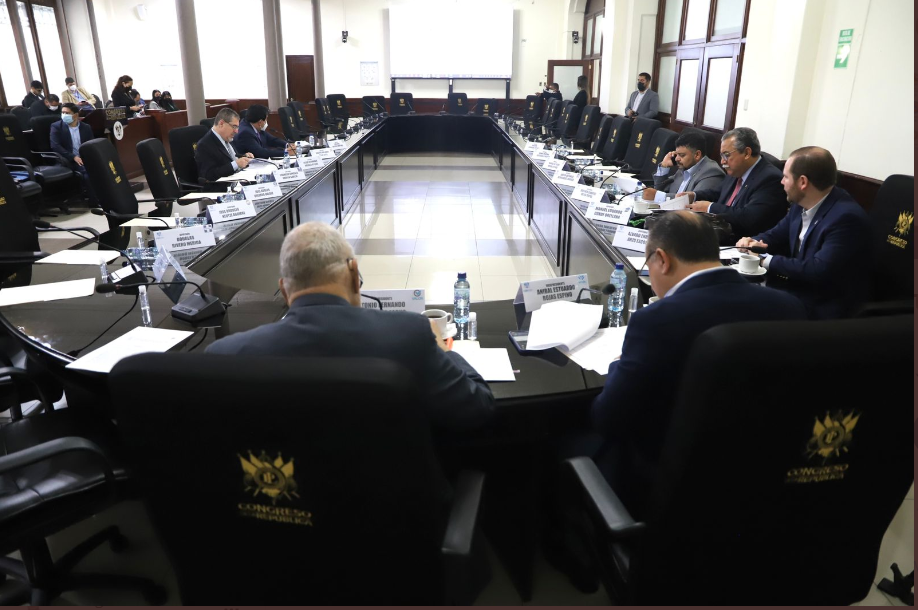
x=42, y=224
x=665, y=183
x=116, y=216
x=195, y=308
x=606, y=290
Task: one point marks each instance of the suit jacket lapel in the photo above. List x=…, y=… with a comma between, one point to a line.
x=820, y=214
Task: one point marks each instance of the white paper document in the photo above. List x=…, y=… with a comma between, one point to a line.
x=636, y=261
x=597, y=352
x=54, y=291
x=563, y=324
x=492, y=363
x=158, y=221
x=138, y=341
x=80, y=257
x=726, y=255
x=679, y=203
x=202, y=196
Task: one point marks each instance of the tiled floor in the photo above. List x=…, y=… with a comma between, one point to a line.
x=423, y=218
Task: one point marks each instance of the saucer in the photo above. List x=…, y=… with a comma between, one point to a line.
x=758, y=271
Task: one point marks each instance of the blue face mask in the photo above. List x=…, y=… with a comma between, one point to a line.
x=67, y=118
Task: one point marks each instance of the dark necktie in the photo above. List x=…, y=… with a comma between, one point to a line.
x=258, y=137
x=739, y=185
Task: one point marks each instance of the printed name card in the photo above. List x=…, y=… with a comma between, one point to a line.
x=311, y=164
x=607, y=212
x=630, y=238
x=265, y=190
x=175, y=240
x=568, y=178
x=588, y=194
x=294, y=174
x=395, y=300
x=234, y=210
x=544, y=155
x=533, y=146
x=539, y=292
x=552, y=165
x=333, y=144
x=326, y=154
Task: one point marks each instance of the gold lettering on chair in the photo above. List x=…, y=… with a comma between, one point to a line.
x=831, y=436
x=2, y=200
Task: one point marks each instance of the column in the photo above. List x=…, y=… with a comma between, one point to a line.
x=97, y=48
x=271, y=59
x=281, y=58
x=318, y=53
x=64, y=34
x=191, y=61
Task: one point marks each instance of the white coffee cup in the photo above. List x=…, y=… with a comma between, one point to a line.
x=641, y=207
x=652, y=300
x=441, y=318
x=748, y=263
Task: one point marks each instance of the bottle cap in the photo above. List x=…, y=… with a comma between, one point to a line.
x=462, y=275
x=619, y=266
x=473, y=315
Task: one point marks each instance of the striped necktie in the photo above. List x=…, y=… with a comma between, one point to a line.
x=739, y=185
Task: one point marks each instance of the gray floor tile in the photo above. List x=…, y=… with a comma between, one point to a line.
x=384, y=246
x=509, y=247
x=439, y=247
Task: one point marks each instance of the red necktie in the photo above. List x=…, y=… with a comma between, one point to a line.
x=739, y=185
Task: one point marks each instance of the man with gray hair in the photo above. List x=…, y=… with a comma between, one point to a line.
x=321, y=284
x=214, y=155
x=751, y=198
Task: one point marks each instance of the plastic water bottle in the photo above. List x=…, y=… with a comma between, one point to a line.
x=473, y=326
x=286, y=159
x=617, y=299
x=461, y=296
x=633, y=301
x=103, y=267
x=312, y=141
x=637, y=194
x=145, y=316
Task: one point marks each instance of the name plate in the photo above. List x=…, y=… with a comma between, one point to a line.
x=552, y=165
x=545, y=155
x=607, y=212
x=533, y=146
x=587, y=193
x=265, y=190
x=568, y=178
x=234, y=210
x=630, y=238
x=539, y=292
x=395, y=300
x=337, y=144
x=293, y=174
x=189, y=238
x=311, y=164
x=326, y=154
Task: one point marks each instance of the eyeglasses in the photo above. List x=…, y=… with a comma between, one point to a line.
x=726, y=156
x=347, y=262
x=235, y=127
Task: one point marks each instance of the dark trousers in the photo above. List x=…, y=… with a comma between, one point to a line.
x=88, y=191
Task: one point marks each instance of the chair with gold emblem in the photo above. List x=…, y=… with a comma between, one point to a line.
x=182, y=143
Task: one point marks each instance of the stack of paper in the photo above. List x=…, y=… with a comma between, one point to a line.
x=729, y=253
x=81, y=257
x=563, y=324
x=138, y=341
x=597, y=352
x=493, y=364
x=47, y=292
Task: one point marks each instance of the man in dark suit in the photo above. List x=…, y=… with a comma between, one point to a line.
x=214, y=156
x=321, y=284
x=35, y=94
x=820, y=249
x=751, y=199
x=67, y=135
x=50, y=106
x=632, y=412
x=644, y=101
x=253, y=139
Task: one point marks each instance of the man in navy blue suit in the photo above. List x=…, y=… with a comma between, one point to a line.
x=252, y=136
x=697, y=293
x=67, y=135
x=750, y=198
x=820, y=250
x=321, y=284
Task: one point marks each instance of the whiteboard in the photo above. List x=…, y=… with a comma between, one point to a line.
x=451, y=40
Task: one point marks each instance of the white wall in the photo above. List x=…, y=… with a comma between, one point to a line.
x=84, y=56
x=296, y=27
x=621, y=51
x=536, y=39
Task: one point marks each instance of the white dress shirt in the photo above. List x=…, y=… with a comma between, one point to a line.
x=806, y=216
x=742, y=181
x=228, y=148
x=660, y=197
x=637, y=100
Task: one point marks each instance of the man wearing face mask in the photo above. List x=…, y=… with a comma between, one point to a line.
x=67, y=135
x=35, y=94
x=50, y=106
x=644, y=102
x=253, y=137
x=74, y=94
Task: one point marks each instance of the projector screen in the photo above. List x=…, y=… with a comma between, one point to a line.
x=451, y=40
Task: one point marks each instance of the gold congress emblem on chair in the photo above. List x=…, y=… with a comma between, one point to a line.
x=832, y=435
x=904, y=224
x=273, y=478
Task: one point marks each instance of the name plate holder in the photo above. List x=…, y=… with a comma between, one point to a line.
x=234, y=210
x=609, y=212
x=294, y=174
x=538, y=292
x=571, y=179
x=188, y=238
x=588, y=194
x=412, y=300
x=265, y=190
x=631, y=238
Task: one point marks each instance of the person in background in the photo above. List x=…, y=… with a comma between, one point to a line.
x=121, y=95
x=552, y=92
x=50, y=106
x=166, y=103
x=644, y=102
x=155, y=100
x=321, y=284
x=67, y=135
x=36, y=94
x=253, y=139
x=74, y=94
x=821, y=244
x=690, y=167
x=214, y=155
x=581, y=98
x=138, y=101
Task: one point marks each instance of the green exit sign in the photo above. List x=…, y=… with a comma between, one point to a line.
x=844, y=48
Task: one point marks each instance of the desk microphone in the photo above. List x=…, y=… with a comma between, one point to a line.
x=663, y=184
x=280, y=135
x=378, y=301
x=410, y=107
x=101, y=212
x=755, y=249
x=612, y=175
x=606, y=290
x=370, y=107
x=443, y=108
x=195, y=308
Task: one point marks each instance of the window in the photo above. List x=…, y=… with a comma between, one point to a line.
x=30, y=48
x=698, y=61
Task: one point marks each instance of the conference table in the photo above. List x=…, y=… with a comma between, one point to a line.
x=550, y=393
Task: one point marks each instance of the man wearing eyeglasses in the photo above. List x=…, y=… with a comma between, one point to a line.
x=321, y=283
x=214, y=155
x=751, y=198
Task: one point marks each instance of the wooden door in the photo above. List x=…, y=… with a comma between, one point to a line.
x=301, y=78
x=571, y=69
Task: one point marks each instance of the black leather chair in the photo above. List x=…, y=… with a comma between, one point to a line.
x=338, y=104
x=327, y=119
x=602, y=134
x=773, y=160
x=569, y=121
x=401, y=103
x=662, y=143
x=108, y=179
x=41, y=131
x=206, y=123
x=300, y=125
x=157, y=170
x=334, y=488
x=587, y=126
x=458, y=103
x=23, y=115
x=638, y=146
x=182, y=143
x=57, y=469
x=617, y=142
x=289, y=124
x=892, y=219
x=485, y=106
x=49, y=169
x=373, y=104
x=553, y=112
x=532, y=108
x=784, y=501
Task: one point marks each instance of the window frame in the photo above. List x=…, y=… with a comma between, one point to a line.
x=594, y=8
x=19, y=34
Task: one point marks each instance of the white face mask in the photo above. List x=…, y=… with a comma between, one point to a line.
x=72, y=87
x=265, y=126
x=54, y=108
